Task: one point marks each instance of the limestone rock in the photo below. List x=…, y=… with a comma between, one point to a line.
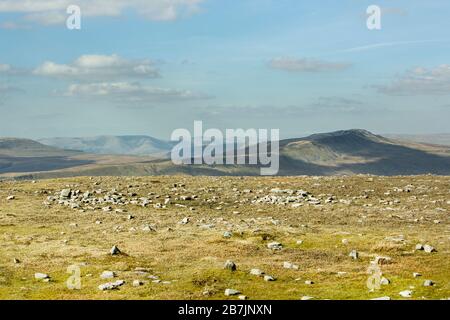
x=230, y=265
x=406, y=293
x=111, y=285
x=428, y=283
x=269, y=278
x=115, y=251
x=275, y=246
x=41, y=276
x=231, y=292
x=107, y=275
x=257, y=272
x=354, y=254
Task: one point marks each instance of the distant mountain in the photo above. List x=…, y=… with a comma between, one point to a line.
x=24, y=155
x=359, y=151
x=337, y=153
x=26, y=148
x=119, y=145
x=440, y=139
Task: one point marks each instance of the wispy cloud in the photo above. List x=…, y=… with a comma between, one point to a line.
x=50, y=12
x=336, y=104
x=420, y=81
x=11, y=25
x=99, y=67
x=5, y=89
x=387, y=44
x=4, y=68
x=132, y=92
x=306, y=65
x=330, y=105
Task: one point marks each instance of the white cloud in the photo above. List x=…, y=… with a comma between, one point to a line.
x=49, y=12
x=306, y=65
x=99, y=67
x=46, y=18
x=9, y=89
x=133, y=92
x=321, y=105
x=4, y=68
x=10, y=25
x=420, y=81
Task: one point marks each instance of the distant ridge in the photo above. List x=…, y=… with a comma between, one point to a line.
x=342, y=134
x=344, y=152
x=26, y=147
x=25, y=155
x=438, y=139
x=130, y=145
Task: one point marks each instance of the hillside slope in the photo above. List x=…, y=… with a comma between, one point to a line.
x=439, y=139
x=337, y=153
x=359, y=151
x=129, y=145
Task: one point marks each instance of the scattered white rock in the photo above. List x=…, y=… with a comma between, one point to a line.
x=382, y=298
x=354, y=254
x=115, y=250
x=111, y=285
x=148, y=228
x=289, y=265
x=428, y=283
x=41, y=276
x=227, y=234
x=65, y=193
x=269, y=278
x=230, y=265
x=108, y=275
x=185, y=220
x=275, y=246
x=10, y=198
x=416, y=274
x=309, y=282
x=428, y=249
x=231, y=292
x=242, y=297
x=305, y=298
x=406, y=293
x=257, y=272
x=137, y=283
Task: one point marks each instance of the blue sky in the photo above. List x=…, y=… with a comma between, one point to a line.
x=149, y=67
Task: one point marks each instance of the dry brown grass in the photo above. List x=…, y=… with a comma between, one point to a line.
x=191, y=257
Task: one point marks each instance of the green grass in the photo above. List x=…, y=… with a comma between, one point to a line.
x=192, y=258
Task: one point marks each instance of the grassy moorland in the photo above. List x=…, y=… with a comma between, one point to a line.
x=177, y=248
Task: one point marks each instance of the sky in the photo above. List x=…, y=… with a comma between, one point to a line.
x=149, y=67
